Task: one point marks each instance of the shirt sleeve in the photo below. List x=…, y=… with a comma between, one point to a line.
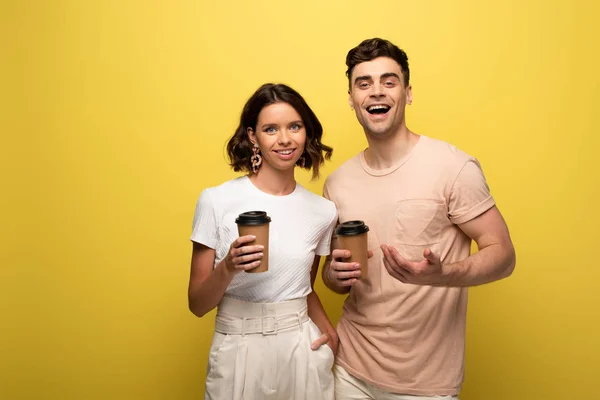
x=326, y=190
x=204, y=226
x=324, y=245
x=470, y=195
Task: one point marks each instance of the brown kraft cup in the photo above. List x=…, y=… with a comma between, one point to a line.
x=352, y=235
x=256, y=223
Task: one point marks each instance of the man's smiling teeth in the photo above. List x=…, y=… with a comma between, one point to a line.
x=377, y=107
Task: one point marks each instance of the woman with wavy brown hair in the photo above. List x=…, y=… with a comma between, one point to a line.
x=272, y=337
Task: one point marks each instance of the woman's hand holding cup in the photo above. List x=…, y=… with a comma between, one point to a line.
x=242, y=257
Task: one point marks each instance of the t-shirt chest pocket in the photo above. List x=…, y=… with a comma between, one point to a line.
x=418, y=224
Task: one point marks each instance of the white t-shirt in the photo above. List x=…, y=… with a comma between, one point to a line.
x=301, y=227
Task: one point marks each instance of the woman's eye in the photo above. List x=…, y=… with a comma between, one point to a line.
x=271, y=130
x=295, y=127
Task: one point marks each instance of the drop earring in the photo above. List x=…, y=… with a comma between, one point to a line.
x=256, y=159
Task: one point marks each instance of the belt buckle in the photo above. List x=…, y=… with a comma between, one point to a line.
x=265, y=328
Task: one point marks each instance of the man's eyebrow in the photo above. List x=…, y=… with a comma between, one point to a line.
x=390, y=75
x=362, y=78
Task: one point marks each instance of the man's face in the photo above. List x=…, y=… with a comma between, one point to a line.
x=378, y=96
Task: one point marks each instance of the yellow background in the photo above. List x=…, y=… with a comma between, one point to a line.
x=114, y=116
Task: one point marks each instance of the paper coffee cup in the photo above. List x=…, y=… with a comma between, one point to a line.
x=256, y=223
x=352, y=235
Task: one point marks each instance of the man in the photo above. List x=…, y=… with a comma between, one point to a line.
x=402, y=332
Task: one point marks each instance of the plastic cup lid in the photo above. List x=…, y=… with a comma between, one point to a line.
x=253, y=218
x=351, y=228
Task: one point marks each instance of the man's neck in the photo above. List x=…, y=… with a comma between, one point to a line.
x=386, y=151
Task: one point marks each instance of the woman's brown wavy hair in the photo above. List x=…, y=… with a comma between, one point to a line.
x=239, y=147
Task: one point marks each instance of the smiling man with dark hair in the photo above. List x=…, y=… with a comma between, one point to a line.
x=402, y=332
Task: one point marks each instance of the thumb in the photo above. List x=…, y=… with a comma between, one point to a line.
x=431, y=256
x=321, y=340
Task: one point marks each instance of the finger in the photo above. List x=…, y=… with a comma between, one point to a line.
x=321, y=340
x=347, y=282
x=241, y=240
x=399, y=260
x=247, y=258
x=344, y=278
x=387, y=256
x=248, y=249
x=342, y=275
x=385, y=250
x=344, y=266
x=394, y=273
x=369, y=254
x=389, y=269
x=246, y=267
x=431, y=256
x=341, y=254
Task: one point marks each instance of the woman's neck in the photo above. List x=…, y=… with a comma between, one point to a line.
x=271, y=181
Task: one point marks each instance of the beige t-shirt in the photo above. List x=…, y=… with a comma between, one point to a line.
x=405, y=338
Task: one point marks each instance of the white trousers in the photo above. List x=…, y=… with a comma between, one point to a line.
x=348, y=387
x=261, y=351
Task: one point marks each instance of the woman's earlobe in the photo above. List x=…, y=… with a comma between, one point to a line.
x=251, y=136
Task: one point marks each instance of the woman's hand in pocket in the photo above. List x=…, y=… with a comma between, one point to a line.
x=330, y=339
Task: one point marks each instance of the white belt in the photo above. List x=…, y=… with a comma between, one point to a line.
x=235, y=317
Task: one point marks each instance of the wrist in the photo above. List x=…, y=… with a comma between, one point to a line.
x=225, y=271
x=333, y=335
x=451, y=273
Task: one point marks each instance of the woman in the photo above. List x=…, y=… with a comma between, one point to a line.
x=272, y=338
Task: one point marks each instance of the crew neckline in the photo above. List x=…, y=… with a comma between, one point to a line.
x=249, y=182
x=387, y=171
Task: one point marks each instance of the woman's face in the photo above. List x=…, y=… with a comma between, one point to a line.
x=280, y=135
